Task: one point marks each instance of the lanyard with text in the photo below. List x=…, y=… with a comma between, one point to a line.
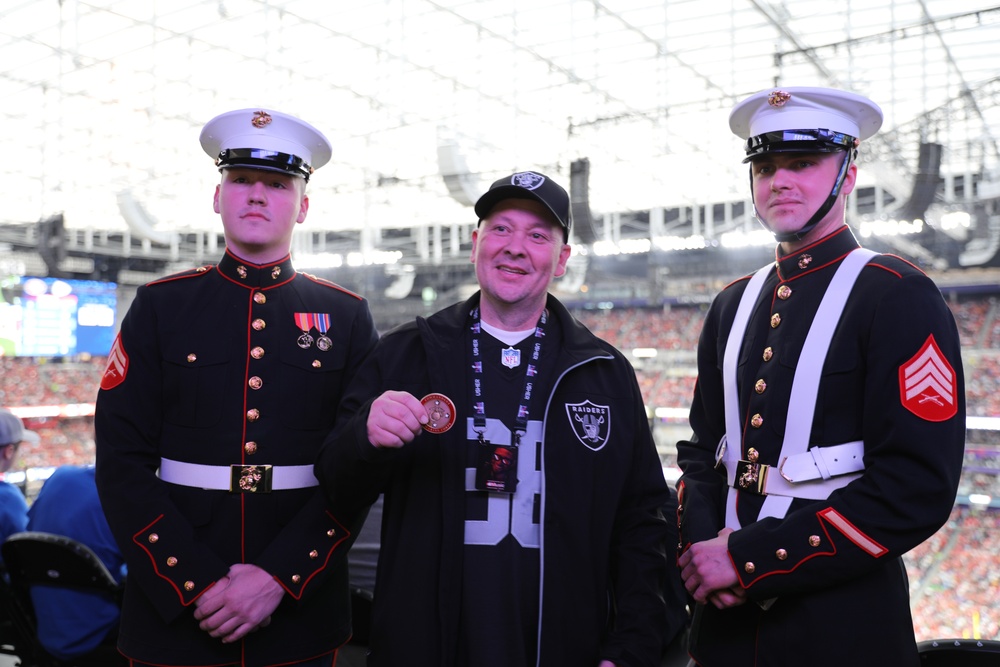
x=497, y=464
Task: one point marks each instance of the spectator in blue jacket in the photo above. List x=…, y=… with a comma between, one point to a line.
x=74, y=623
x=13, y=506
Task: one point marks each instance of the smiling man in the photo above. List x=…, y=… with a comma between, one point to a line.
x=828, y=415
x=220, y=388
x=521, y=523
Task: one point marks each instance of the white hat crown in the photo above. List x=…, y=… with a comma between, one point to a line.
x=804, y=108
x=263, y=132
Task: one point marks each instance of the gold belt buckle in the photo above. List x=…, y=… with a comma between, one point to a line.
x=751, y=477
x=249, y=478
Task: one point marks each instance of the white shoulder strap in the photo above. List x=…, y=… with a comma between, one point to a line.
x=805, y=385
x=729, y=449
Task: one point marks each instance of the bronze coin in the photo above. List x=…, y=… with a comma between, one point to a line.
x=440, y=413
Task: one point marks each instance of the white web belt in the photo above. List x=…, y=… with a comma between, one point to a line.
x=237, y=478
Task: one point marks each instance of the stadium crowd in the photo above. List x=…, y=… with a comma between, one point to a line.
x=954, y=576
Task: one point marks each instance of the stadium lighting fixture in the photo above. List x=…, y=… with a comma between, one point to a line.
x=668, y=243
x=623, y=247
x=758, y=237
x=891, y=227
x=982, y=423
x=336, y=260
x=979, y=499
x=956, y=220
x=325, y=260
x=674, y=414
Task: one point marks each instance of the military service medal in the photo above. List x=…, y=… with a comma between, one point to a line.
x=323, y=324
x=304, y=321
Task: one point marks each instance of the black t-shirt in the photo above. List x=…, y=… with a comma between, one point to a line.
x=500, y=599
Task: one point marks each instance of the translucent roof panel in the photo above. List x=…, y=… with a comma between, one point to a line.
x=105, y=96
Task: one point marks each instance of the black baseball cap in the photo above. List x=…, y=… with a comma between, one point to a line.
x=529, y=185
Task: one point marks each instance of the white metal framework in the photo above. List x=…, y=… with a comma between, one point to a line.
x=101, y=101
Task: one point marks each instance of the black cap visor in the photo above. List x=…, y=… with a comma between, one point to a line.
x=255, y=158
x=798, y=141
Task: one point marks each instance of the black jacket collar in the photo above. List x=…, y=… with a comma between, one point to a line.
x=824, y=252
x=259, y=276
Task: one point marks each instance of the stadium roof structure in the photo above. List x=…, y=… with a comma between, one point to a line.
x=428, y=101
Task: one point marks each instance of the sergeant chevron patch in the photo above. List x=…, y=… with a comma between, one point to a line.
x=114, y=373
x=927, y=384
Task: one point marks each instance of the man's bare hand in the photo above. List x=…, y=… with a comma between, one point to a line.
x=708, y=572
x=238, y=603
x=396, y=418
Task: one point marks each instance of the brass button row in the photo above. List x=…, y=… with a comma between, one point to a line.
x=781, y=554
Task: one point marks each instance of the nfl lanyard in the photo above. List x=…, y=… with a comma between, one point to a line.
x=499, y=462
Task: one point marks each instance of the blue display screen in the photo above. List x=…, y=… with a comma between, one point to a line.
x=46, y=317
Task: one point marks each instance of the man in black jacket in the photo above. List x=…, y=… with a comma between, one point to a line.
x=560, y=564
x=219, y=390
x=828, y=417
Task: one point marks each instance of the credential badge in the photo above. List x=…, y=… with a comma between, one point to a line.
x=590, y=422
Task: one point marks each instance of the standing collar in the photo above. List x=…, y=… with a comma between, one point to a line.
x=823, y=252
x=256, y=275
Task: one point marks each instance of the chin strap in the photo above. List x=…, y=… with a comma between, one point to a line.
x=820, y=213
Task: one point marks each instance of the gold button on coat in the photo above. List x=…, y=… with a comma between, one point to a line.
x=192, y=358
x=250, y=447
x=258, y=324
x=775, y=320
x=253, y=414
x=750, y=568
x=814, y=541
x=752, y=455
x=781, y=554
x=331, y=533
x=296, y=578
x=255, y=382
x=768, y=353
x=314, y=554
x=760, y=386
x=756, y=421
x=171, y=562
x=259, y=298
x=153, y=538
x=784, y=292
x=316, y=363
x=189, y=585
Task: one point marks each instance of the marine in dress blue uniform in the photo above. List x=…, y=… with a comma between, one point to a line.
x=829, y=428
x=219, y=390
